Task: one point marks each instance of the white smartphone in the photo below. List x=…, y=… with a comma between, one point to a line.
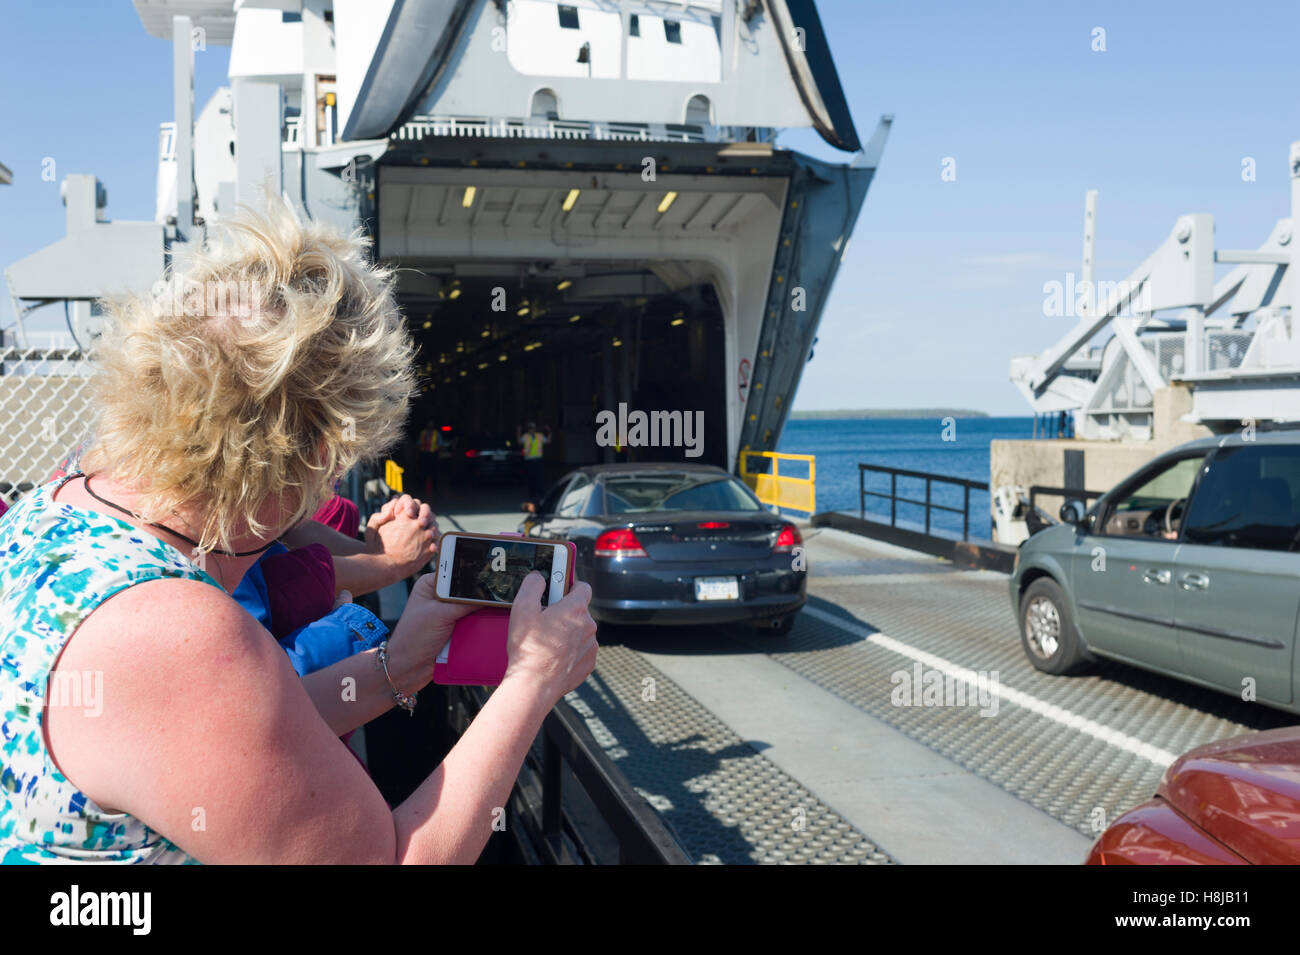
x=487, y=569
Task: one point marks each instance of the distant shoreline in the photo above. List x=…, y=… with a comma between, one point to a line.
x=858, y=413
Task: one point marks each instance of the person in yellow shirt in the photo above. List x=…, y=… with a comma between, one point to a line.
x=533, y=443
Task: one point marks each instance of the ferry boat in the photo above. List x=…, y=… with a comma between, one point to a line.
x=586, y=200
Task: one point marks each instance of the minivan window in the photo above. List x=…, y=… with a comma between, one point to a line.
x=1248, y=498
x=1154, y=508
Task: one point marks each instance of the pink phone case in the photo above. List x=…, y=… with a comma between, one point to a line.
x=476, y=653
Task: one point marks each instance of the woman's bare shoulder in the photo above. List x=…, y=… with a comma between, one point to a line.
x=200, y=712
x=156, y=648
x=170, y=615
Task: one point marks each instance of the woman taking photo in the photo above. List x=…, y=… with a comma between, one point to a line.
x=145, y=717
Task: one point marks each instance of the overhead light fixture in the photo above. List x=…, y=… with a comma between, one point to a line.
x=469, y=197
x=463, y=373
x=522, y=311
x=571, y=199
x=678, y=321
x=575, y=318
x=501, y=357
x=454, y=294
x=482, y=365
x=618, y=343
x=563, y=285
x=486, y=332
x=668, y=200
x=427, y=324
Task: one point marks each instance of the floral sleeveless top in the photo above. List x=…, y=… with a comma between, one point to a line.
x=57, y=564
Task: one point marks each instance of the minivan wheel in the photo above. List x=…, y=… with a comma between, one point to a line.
x=1047, y=630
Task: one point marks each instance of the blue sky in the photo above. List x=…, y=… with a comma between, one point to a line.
x=943, y=281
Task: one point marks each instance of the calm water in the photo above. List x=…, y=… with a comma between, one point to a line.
x=915, y=444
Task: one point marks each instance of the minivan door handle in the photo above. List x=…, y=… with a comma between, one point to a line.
x=1194, y=582
x=1154, y=576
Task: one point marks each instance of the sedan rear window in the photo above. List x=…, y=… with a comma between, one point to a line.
x=670, y=491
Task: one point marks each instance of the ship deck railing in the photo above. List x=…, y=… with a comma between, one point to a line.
x=421, y=127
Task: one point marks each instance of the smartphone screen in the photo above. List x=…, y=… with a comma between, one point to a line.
x=494, y=569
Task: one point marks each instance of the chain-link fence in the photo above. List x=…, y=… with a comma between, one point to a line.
x=1225, y=350
x=44, y=414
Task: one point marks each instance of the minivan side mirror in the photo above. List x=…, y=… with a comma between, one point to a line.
x=1073, y=512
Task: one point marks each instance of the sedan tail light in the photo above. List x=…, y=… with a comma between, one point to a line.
x=787, y=540
x=620, y=542
x=471, y=453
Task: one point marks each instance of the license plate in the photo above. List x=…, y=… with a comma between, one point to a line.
x=717, y=588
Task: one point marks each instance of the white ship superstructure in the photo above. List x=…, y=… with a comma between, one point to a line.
x=1230, y=348
x=585, y=199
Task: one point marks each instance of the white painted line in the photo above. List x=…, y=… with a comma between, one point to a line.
x=1051, y=711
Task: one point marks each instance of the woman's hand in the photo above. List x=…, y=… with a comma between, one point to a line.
x=553, y=649
x=421, y=633
x=405, y=533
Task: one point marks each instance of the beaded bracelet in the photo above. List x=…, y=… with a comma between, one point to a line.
x=405, y=701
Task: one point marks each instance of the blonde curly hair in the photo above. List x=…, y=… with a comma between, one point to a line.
x=260, y=372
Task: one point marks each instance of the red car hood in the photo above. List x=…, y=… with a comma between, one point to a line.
x=1245, y=792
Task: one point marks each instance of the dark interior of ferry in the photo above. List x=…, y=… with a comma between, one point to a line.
x=507, y=344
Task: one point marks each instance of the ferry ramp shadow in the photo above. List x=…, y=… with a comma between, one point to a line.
x=726, y=801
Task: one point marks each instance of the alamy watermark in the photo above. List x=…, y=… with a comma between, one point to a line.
x=127, y=909
x=178, y=295
x=920, y=686
x=652, y=429
x=68, y=689
x=1076, y=297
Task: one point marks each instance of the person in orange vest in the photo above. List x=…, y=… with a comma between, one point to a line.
x=533, y=443
x=428, y=448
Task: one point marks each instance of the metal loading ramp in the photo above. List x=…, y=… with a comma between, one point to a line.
x=1077, y=750
x=726, y=801
x=1069, y=746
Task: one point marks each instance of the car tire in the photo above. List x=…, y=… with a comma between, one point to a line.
x=1047, y=632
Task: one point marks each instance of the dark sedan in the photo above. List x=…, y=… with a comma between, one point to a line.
x=485, y=457
x=676, y=543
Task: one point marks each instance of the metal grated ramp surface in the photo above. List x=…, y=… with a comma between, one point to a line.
x=728, y=803
x=965, y=618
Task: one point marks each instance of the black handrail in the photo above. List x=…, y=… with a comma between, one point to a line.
x=554, y=833
x=928, y=503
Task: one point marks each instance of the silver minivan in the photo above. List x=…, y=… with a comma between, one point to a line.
x=1189, y=567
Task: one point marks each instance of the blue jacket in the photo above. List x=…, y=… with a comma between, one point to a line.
x=341, y=633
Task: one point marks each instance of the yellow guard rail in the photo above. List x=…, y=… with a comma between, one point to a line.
x=773, y=487
x=393, y=476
